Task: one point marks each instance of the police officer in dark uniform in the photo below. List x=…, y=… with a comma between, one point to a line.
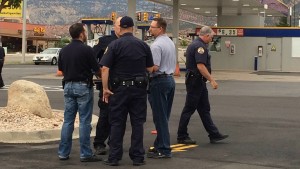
x=2, y=57
x=198, y=72
x=125, y=63
x=102, y=128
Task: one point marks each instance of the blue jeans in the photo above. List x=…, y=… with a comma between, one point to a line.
x=161, y=96
x=78, y=97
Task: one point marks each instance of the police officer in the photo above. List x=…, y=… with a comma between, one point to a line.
x=198, y=70
x=126, y=62
x=77, y=62
x=2, y=58
x=102, y=128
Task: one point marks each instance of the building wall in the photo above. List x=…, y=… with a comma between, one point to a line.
x=289, y=63
x=245, y=50
x=243, y=59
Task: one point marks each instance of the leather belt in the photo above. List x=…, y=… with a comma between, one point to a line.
x=162, y=75
x=76, y=82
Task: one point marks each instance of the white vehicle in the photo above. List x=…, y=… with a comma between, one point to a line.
x=49, y=55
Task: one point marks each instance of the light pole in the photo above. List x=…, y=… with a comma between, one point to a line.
x=265, y=8
x=291, y=16
x=24, y=44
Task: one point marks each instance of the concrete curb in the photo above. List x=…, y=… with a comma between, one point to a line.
x=42, y=135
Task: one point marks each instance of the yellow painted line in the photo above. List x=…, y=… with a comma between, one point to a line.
x=185, y=147
x=176, y=145
x=174, y=151
x=179, y=147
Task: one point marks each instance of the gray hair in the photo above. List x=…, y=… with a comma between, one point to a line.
x=205, y=30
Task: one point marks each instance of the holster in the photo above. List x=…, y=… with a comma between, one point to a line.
x=141, y=81
x=63, y=82
x=98, y=84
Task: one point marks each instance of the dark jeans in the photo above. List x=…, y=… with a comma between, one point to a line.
x=1, y=80
x=161, y=96
x=196, y=98
x=132, y=100
x=102, y=128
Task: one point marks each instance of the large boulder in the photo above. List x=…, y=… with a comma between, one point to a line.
x=30, y=97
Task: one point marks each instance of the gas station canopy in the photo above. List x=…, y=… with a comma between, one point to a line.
x=231, y=7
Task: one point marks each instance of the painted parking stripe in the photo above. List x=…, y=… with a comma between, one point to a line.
x=180, y=147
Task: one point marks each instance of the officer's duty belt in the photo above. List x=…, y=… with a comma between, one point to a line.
x=127, y=83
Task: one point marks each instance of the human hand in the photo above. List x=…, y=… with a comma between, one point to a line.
x=106, y=94
x=214, y=84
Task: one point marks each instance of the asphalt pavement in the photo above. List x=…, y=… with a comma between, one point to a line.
x=260, y=112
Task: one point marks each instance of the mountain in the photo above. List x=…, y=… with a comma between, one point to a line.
x=58, y=12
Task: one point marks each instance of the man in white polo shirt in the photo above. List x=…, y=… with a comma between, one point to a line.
x=162, y=87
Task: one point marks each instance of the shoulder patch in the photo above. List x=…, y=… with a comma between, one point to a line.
x=201, y=50
x=106, y=50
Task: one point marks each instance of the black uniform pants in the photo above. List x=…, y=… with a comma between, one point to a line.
x=132, y=100
x=196, y=99
x=102, y=128
x=1, y=65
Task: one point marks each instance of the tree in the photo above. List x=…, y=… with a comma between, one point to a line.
x=63, y=42
x=10, y=3
x=283, y=22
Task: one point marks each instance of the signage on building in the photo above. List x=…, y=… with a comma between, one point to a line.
x=39, y=31
x=228, y=32
x=10, y=11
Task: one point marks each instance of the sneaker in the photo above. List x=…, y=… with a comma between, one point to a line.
x=100, y=150
x=218, y=138
x=93, y=158
x=63, y=158
x=138, y=163
x=158, y=155
x=186, y=141
x=111, y=162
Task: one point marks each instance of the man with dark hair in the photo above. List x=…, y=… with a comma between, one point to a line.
x=162, y=87
x=126, y=62
x=198, y=67
x=2, y=58
x=102, y=128
x=77, y=63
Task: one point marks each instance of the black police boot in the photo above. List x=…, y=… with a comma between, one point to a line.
x=138, y=163
x=111, y=162
x=93, y=158
x=217, y=138
x=100, y=150
x=187, y=140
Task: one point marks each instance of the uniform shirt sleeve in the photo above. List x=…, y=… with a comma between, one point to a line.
x=108, y=57
x=156, y=54
x=201, y=54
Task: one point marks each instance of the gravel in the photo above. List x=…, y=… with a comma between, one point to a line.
x=15, y=119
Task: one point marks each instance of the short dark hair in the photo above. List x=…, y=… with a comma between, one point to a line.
x=76, y=29
x=161, y=23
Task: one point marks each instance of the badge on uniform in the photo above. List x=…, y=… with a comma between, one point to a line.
x=201, y=50
x=106, y=50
